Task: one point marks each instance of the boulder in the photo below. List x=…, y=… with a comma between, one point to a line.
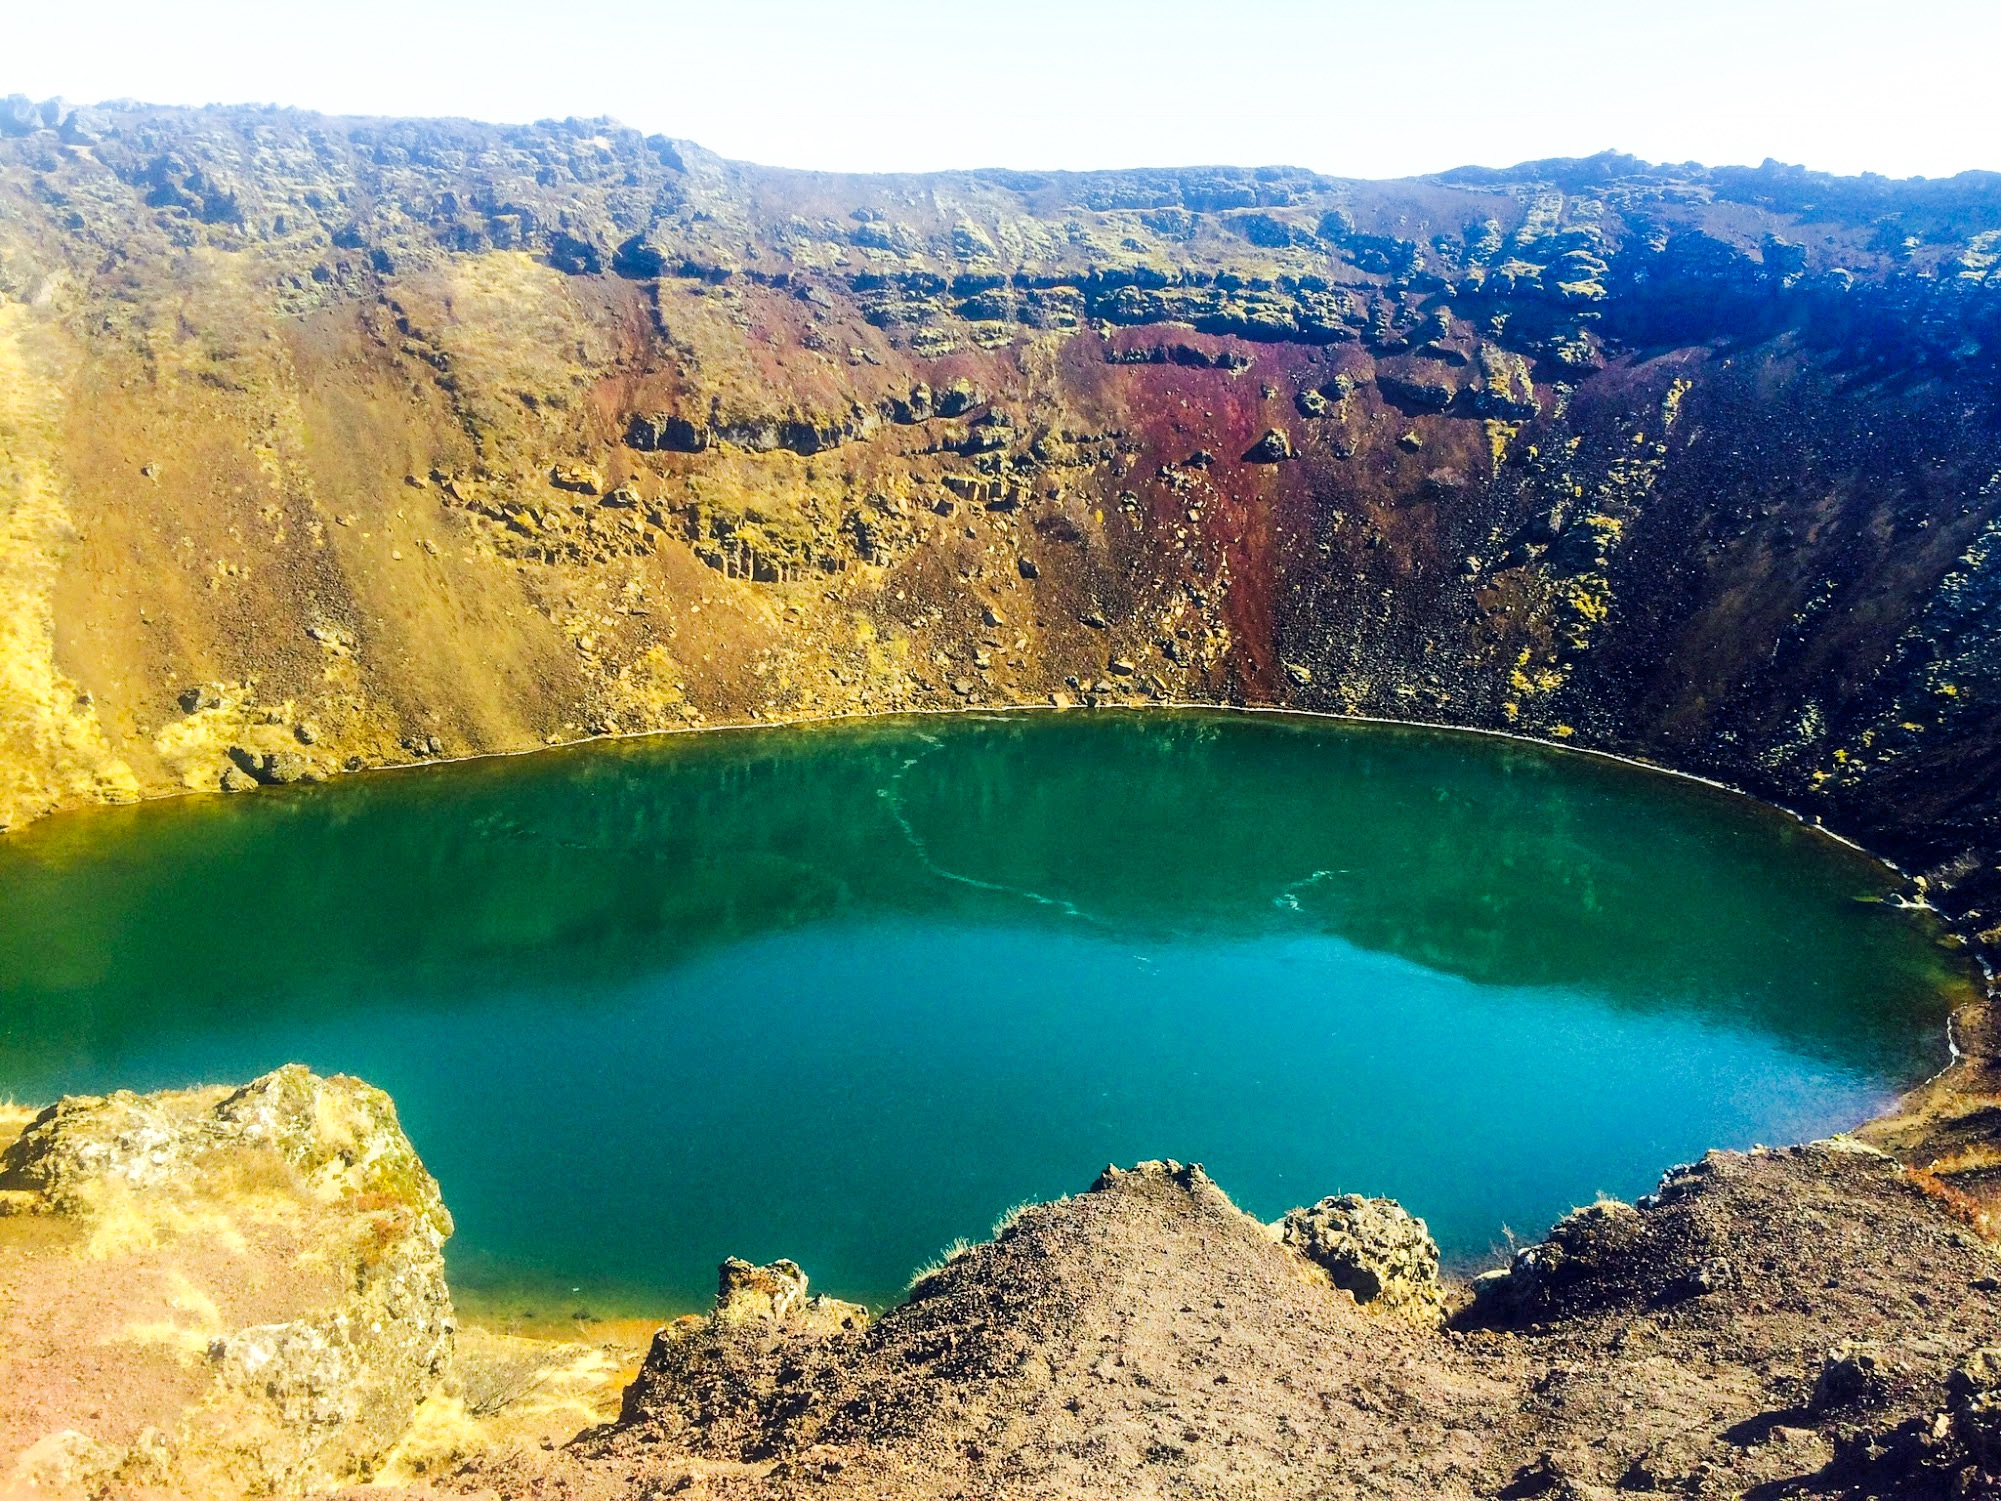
x=664, y=432
x=1853, y=1372
x=639, y=259
x=957, y=399
x=297, y=1196
x=583, y=479
x=87, y=127
x=1506, y=389
x=574, y=257
x=281, y=767
x=776, y=1294
x=1375, y=1250
x=19, y=116
x=1975, y=1415
x=1273, y=448
x=272, y=768
x=916, y=407
x=1417, y=390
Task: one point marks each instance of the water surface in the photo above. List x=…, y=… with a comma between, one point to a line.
x=845, y=993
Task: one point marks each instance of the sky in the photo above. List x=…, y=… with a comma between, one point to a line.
x=1385, y=88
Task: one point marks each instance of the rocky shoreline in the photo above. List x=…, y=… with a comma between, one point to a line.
x=234, y=1292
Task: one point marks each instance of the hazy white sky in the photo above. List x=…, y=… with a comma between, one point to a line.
x=1372, y=89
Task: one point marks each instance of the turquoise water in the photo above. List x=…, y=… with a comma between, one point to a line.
x=846, y=993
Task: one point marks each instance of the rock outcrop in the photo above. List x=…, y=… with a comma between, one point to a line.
x=775, y=1297
x=1373, y=1249
x=216, y=1291
x=712, y=1381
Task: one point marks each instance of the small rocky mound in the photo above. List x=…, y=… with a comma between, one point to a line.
x=216, y=1292
x=1144, y=1337
x=1811, y=1319
x=775, y=1297
x=717, y=1386
x=1374, y=1249
x=1674, y=1245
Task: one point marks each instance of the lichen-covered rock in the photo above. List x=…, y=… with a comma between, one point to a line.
x=341, y=1133
x=1506, y=387
x=1273, y=448
x=267, y=1261
x=776, y=1295
x=1372, y=1248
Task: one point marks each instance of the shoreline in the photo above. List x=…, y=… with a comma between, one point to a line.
x=1812, y=822
x=1951, y=934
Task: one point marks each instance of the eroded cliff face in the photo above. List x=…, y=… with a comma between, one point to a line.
x=330, y=443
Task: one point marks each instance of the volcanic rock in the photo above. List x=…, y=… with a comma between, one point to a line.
x=296, y=1200
x=1373, y=1249
x=1273, y=448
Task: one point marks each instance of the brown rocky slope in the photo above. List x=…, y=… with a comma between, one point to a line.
x=1744, y=1331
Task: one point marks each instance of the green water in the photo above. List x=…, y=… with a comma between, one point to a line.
x=846, y=993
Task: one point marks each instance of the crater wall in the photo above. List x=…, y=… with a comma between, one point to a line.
x=332, y=443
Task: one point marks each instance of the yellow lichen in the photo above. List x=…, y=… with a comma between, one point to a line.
x=1671, y=402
